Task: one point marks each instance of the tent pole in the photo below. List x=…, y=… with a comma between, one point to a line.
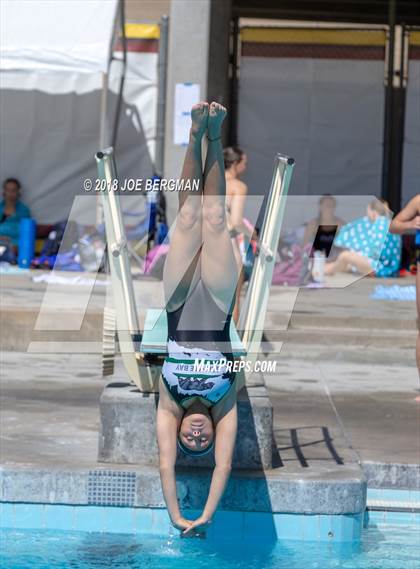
x=122, y=78
x=161, y=102
x=103, y=124
x=102, y=138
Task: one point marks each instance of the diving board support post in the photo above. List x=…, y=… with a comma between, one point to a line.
x=140, y=372
x=254, y=308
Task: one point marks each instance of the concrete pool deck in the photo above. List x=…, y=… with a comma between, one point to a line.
x=343, y=392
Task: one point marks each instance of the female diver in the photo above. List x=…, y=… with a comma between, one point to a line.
x=197, y=411
x=409, y=220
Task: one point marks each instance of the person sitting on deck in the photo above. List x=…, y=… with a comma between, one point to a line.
x=12, y=210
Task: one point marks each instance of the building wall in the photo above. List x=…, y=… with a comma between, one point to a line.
x=141, y=10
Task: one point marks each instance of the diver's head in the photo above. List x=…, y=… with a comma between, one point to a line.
x=196, y=432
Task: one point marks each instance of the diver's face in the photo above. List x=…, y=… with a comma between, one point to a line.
x=196, y=431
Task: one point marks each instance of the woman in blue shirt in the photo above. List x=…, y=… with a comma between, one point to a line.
x=12, y=210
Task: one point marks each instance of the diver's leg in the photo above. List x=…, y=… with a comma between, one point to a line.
x=218, y=264
x=182, y=261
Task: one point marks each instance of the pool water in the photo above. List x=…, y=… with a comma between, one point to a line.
x=382, y=547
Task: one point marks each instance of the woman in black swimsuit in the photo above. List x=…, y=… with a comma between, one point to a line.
x=322, y=230
x=197, y=410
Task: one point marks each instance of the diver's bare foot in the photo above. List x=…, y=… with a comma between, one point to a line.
x=217, y=113
x=199, y=118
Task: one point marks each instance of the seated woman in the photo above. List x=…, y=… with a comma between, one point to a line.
x=12, y=210
x=197, y=410
x=369, y=246
x=320, y=231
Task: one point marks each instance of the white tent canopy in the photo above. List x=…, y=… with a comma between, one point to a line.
x=54, y=56
x=56, y=35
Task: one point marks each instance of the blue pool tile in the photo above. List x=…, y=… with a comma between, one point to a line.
x=344, y=527
x=191, y=514
x=325, y=528
x=265, y=524
x=29, y=516
x=143, y=520
x=90, y=518
x=288, y=526
x=119, y=519
x=310, y=527
x=160, y=522
x=395, y=495
x=7, y=517
x=57, y=516
x=357, y=526
x=400, y=518
x=365, y=519
x=228, y=526
x=336, y=527
x=349, y=527
x=375, y=494
x=414, y=496
x=375, y=517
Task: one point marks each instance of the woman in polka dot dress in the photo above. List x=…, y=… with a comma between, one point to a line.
x=369, y=247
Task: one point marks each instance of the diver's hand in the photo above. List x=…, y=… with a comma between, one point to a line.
x=181, y=523
x=197, y=525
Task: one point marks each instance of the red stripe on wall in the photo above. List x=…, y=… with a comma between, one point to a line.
x=414, y=52
x=255, y=49
x=139, y=45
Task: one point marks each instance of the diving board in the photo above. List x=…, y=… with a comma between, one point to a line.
x=155, y=334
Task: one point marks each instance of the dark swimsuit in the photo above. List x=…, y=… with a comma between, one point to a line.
x=199, y=330
x=324, y=239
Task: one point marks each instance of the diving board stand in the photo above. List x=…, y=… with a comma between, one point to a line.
x=124, y=308
x=254, y=308
x=128, y=402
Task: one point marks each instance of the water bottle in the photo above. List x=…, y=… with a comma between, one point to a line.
x=27, y=230
x=318, y=271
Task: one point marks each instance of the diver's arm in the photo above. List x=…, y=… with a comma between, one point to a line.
x=408, y=218
x=225, y=417
x=167, y=421
x=225, y=441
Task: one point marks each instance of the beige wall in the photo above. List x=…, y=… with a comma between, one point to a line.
x=141, y=10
